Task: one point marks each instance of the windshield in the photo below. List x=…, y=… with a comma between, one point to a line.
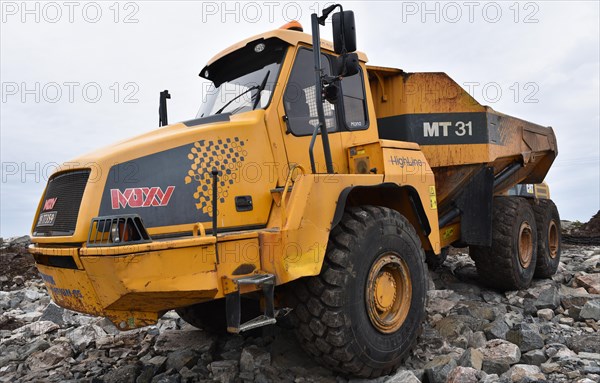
x=243, y=80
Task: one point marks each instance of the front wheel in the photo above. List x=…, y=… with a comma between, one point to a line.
x=363, y=313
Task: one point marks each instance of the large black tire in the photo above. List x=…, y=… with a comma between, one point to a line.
x=509, y=264
x=549, y=237
x=372, y=247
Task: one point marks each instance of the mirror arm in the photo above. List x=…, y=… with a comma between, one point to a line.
x=327, y=11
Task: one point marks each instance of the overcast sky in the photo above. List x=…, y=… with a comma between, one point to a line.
x=79, y=75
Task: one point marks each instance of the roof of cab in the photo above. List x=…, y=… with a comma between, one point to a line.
x=290, y=36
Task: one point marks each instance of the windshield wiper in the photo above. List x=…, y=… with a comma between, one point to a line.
x=260, y=89
x=236, y=97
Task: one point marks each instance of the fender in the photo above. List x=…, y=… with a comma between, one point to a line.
x=363, y=195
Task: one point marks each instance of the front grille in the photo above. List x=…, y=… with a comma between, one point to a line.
x=61, y=203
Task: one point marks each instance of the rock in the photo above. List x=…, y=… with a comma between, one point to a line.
x=439, y=368
x=453, y=326
x=571, y=297
x=188, y=375
x=545, y=314
x=535, y=357
x=403, y=376
x=591, y=282
x=477, y=339
x=566, y=321
x=158, y=361
x=167, y=377
x=496, y=330
x=478, y=310
x=53, y=313
x=38, y=344
x=195, y=340
x=82, y=337
x=463, y=375
x=526, y=337
x=148, y=372
x=585, y=343
x=224, y=371
x=549, y=298
x=22, y=241
x=501, y=351
x=37, y=328
x=32, y=295
x=53, y=356
x=4, y=299
x=182, y=358
x=550, y=367
x=519, y=372
x=495, y=367
x=18, y=280
x=589, y=356
x=529, y=307
x=471, y=358
x=591, y=310
x=253, y=357
x=123, y=374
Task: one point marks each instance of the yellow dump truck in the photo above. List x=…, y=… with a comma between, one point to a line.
x=308, y=181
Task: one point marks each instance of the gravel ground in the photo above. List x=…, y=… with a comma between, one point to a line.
x=547, y=333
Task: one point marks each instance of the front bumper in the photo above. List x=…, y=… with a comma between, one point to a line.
x=133, y=285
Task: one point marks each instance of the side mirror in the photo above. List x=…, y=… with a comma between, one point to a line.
x=347, y=65
x=344, y=32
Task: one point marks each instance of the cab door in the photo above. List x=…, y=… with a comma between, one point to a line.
x=298, y=109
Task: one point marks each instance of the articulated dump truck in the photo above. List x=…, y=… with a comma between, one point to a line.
x=310, y=186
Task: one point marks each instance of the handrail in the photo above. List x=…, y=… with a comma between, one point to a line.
x=285, y=191
x=311, y=148
x=198, y=230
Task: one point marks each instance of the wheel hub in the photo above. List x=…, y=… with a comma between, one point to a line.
x=385, y=291
x=525, y=244
x=553, y=239
x=388, y=293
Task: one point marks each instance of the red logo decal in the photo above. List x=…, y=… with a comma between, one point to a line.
x=140, y=197
x=49, y=203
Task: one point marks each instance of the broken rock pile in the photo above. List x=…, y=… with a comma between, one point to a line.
x=547, y=333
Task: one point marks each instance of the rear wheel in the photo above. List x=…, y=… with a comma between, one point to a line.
x=549, y=237
x=362, y=314
x=509, y=264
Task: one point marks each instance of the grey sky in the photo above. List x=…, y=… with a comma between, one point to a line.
x=543, y=56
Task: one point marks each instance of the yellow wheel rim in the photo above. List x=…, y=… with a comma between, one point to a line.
x=389, y=293
x=525, y=245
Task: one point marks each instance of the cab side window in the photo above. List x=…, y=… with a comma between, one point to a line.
x=354, y=102
x=299, y=99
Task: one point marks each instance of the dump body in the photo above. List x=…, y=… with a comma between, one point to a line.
x=458, y=135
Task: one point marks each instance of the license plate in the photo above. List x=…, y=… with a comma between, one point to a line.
x=47, y=219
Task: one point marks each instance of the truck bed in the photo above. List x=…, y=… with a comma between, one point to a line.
x=458, y=135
